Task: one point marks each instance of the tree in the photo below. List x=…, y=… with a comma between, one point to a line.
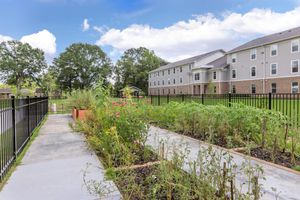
x=81, y=66
x=133, y=67
x=20, y=63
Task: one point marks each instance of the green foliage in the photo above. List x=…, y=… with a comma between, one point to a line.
x=133, y=67
x=81, y=66
x=20, y=63
x=82, y=99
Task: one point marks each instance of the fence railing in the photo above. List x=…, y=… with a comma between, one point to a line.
x=18, y=119
x=287, y=103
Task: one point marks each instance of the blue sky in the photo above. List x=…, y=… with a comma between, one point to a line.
x=174, y=29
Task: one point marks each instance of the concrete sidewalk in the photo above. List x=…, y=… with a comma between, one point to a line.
x=54, y=167
x=287, y=183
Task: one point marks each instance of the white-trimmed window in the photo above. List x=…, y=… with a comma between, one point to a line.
x=233, y=58
x=253, y=71
x=233, y=89
x=154, y=83
x=233, y=73
x=157, y=73
x=163, y=82
x=253, y=53
x=163, y=72
x=274, y=88
x=253, y=88
x=169, y=82
x=157, y=82
x=180, y=79
x=295, y=87
x=295, y=46
x=273, y=68
x=174, y=70
x=214, y=75
x=215, y=89
x=197, y=76
x=168, y=71
x=180, y=68
x=295, y=66
x=274, y=50
x=174, y=81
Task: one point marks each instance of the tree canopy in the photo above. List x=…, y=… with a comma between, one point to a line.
x=133, y=67
x=20, y=63
x=81, y=66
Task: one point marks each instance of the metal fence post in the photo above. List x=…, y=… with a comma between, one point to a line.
x=270, y=100
x=229, y=99
x=28, y=116
x=14, y=126
x=158, y=99
x=202, y=99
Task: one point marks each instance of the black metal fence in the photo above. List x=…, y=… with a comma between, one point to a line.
x=287, y=103
x=18, y=119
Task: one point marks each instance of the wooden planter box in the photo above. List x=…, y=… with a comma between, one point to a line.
x=78, y=114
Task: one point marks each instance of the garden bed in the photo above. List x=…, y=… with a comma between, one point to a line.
x=280, y=158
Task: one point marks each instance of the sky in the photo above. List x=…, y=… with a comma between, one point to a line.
x=173, y=29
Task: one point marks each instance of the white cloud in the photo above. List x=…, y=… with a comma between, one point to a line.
x=85, y=25
x=4, y=38
x=202, y=33
x=101, y=29
x=43, y=40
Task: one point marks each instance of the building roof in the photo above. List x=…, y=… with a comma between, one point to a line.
x=5, y=91
x=187, y=60
x=276, y=37
x=133, y=88
x=219, y=63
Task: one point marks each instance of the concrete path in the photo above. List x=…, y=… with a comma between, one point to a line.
x=54, y=167
x=287, y=183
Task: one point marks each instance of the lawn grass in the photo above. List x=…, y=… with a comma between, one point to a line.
x=22, y=154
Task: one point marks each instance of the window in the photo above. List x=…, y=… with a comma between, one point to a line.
x=174, y=70
x=252, y=54
x=233, y=58
x=180, y=69
x=157, y=73
x=191, y=66
x=197, y=76
x=169, y=82
x=273, y=88
x=273, y=68
x=157, y=82
x=154, y=83
x=233, y=73
x=163, y=91
x=295, y=46
x=150, y=75
x=180, y=79
x=233, y=89
x=273, y=50
x=163, y=82
x=295, y=87
x=169, y=71
x=150, y=83
x=253, y=88
x=174, y=81
x=215, y=89
x=253, y=71
x=174, y=91
x=295, y=66
x=214, y=75
x=163, y=73
x=169, y=91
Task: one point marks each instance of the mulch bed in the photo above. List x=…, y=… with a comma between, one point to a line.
x=281, y=158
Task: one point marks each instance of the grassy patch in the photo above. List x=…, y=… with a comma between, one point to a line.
x=22, y=154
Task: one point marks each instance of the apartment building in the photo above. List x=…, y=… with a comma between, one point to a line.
x=204, y=73
x=267, y=64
